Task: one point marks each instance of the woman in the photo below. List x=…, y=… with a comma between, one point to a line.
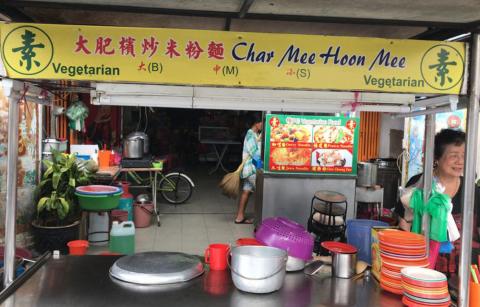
x=251, y=149
x=449, y=156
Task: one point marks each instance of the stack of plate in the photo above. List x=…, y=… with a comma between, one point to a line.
x=424, y=287
x=399, y=249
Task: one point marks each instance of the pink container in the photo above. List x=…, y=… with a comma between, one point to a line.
x=119, y=215
x=142, y=214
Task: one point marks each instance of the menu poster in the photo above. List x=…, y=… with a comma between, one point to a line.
x=311, y=144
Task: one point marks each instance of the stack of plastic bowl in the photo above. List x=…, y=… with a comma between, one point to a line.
x=424, y=287
x=98, y=197
x=399, y=249
x=287, y=235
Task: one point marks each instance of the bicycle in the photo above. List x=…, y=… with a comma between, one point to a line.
x=175, y=187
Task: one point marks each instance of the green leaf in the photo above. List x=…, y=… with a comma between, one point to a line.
x=48, y=172
x=56, y=180
x=41, y=204
x=49, y=204
x=64, y=205
x=72, y=182
x=63, y=208
x=47, y=163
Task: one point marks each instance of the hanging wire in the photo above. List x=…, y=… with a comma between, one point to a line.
x=146, y=121
x=139, y=119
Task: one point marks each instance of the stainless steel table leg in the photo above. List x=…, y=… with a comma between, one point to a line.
x=224, y=150
x=154, y=193
x=219, y=158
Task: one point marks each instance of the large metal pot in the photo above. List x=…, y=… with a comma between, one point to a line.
x=343, y=265
x=53, y=144
x=258, y=269
x=367, y=174
x=133, y=148
x=144, y=137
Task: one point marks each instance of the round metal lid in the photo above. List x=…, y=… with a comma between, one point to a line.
x=156, y=268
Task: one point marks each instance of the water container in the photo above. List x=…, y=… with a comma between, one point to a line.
x=126, y=201
x=359, y=235
x=122, y=238
x=98, y=228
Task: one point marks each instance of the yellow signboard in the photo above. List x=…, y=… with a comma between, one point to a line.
x=196, y=57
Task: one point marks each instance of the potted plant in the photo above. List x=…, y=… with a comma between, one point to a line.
x=57, y=218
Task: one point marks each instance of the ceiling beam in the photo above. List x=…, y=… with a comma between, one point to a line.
x=439, y=34
x=233, y=15
x=10, y=13
x=245, y=7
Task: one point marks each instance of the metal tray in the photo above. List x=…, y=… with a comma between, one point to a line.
x=157, y=268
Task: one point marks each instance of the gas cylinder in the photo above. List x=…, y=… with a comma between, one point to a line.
x=126, y=201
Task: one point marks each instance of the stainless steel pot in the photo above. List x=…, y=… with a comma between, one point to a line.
x=53, y=144
x=143, y=198
x=144, y=137
x=343, y=265
x=258, y=269
x=133, y=148
x=367, y=174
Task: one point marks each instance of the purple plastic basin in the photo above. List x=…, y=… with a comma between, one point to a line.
x=288, y=235
x=98, y=190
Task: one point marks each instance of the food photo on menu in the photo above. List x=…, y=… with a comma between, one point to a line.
x=332, y=158
x=333, y=135
x=291, y=156
x=291, y=133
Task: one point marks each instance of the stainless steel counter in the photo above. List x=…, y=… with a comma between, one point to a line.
x=290, y=195
x=84, y=281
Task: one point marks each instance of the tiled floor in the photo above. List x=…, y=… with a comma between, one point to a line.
x=207, y=218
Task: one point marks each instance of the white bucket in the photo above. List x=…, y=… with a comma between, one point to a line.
x=98, y=228
x=258, y=269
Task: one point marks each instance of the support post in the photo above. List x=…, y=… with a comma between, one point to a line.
x=11, y=204
x=469, y=175
x=428, y=171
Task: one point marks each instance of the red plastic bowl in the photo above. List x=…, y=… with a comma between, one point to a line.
x=339, y=247
x=248, y=241
x=78, y=247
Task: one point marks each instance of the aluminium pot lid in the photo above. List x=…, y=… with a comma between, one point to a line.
x=157, y=268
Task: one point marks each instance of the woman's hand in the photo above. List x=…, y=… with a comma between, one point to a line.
x=403, y=224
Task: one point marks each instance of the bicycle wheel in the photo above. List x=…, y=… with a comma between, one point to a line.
x=175, y=188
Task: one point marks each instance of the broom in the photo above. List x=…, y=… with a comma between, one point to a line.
x=230, y=183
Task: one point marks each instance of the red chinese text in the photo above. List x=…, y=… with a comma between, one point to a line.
x=193, y=50
x=172, y=49
x=103, y=45
x=215, y=50
x=151, y=45
x=82, y=45
x=127, y=46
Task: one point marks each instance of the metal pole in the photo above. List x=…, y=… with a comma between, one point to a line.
x=39, y=157
x=428, y=171
x=11, y=204
x=469, y=176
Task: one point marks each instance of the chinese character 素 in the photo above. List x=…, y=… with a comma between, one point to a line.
x=27, y=50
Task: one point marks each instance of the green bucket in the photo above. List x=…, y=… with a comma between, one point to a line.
x=99, y=202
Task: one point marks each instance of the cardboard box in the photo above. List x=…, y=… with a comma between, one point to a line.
x=376, y=259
